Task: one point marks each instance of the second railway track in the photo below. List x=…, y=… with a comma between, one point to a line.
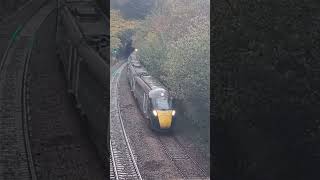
x=39, y=129
x=123, y=164
x=16, y=159
x=184, y=163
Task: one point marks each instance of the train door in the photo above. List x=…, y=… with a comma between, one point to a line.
x=141, y=99
x=146, y=105
x=139, y=95
x=130, y=77
x=133, y=84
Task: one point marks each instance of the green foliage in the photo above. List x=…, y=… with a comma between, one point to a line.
x=173, y=44
x=120, y=28
x=133, y=9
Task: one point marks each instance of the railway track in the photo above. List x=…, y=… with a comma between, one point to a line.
x=123, y=164
x=13, y=23
x=175, y=158
x=16, y=160
x=61, y=147
x=184, y=163
x=39, y=129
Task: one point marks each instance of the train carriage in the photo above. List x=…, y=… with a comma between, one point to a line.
x=152, y=97
x=134, y=68
x=135, y=71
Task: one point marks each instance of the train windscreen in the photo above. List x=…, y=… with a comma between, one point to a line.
x=161, y=103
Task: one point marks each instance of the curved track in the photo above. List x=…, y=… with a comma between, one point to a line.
x=15, y=141
x=123, y=164
x=160, y=155
x=39, y=129
x=12, y=24
x=184, y=163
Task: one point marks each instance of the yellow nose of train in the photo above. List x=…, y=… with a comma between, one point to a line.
x=165, y=119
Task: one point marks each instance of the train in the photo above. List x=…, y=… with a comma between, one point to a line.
x=82, y=41
x=152, y=97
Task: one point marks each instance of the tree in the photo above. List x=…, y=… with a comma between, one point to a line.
x=174, y=46
x=133, y=9
x=121, y=30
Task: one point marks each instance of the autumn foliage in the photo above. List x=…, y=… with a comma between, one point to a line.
x=119, y=25
x=174, y=45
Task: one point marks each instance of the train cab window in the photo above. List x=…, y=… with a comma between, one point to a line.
x=161, y=103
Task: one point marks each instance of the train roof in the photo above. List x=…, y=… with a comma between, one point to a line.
x=138, y=69
x=94, y=28
x=152, y=82
x=133, y=56
x=92, y=23
x=90, y=19
x=136, y=64
x=156, y=89
x=141, y=71
x=134, y=61
x=84, y=9
x=158, y=92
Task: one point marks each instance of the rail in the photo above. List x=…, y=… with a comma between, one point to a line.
x=18, y=53
x=124, y=164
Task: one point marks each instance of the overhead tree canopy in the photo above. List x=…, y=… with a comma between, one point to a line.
x=133, y=9
x=118, y=27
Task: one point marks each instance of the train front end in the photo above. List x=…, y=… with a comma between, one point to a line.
x=163, y=114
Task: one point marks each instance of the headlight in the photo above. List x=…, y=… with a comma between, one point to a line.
x=173, y=112
x=154, y=112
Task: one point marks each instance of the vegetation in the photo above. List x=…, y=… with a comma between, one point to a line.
x=266, y=88
x=121, y=30
x=173, y=43
x=265, y=76
x=173, y=40
x=125, y=17
x=133, y=9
